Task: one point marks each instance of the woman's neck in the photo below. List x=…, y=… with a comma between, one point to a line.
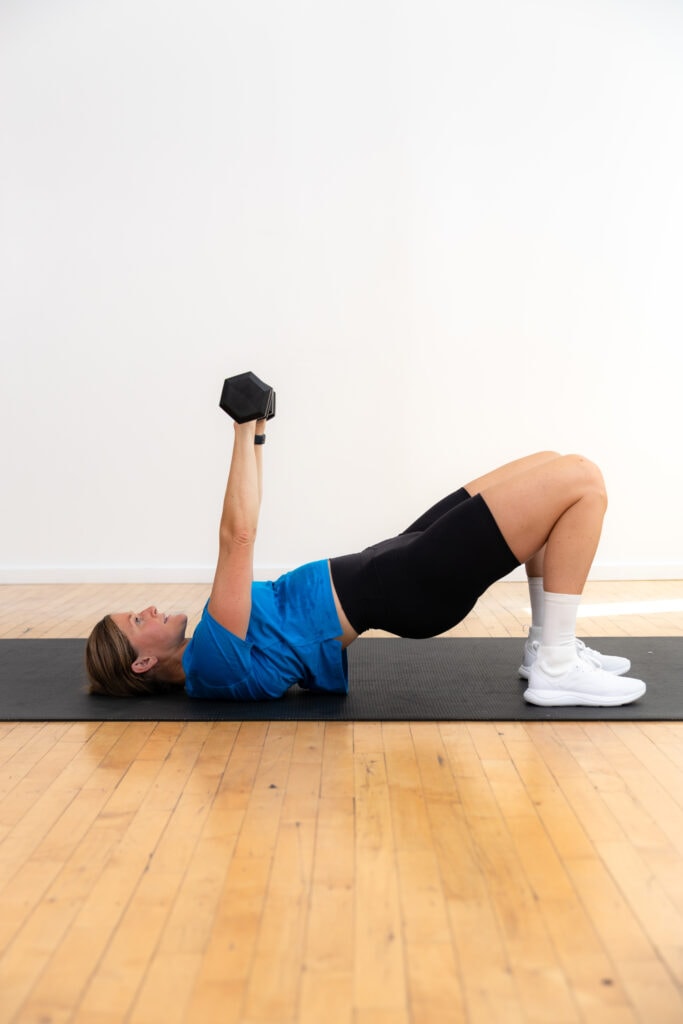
x=172, y=671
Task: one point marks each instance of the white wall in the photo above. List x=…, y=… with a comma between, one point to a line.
x=449, y=233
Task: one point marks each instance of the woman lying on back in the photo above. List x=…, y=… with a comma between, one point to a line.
x=255, y=640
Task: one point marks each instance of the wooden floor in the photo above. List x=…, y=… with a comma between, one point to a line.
x=341, y=873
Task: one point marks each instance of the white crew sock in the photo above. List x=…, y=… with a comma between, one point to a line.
x=537, y=599
x=557, y=652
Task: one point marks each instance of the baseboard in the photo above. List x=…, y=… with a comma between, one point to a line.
x=38, y=574
x=624, y=571
x=123, y=573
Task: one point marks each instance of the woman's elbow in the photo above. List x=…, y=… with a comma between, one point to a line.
x=238, y=536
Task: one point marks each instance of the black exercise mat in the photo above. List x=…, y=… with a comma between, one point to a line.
x=401, y=680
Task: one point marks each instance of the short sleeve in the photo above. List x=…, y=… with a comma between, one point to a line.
x=217, y=663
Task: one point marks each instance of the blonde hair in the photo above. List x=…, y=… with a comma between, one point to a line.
x=109, y=656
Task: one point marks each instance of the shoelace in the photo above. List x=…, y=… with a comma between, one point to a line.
x=588, y=654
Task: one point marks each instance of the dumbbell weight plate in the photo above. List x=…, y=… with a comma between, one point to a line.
x=245, y=397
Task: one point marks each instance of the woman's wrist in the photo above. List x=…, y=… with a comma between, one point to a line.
x=252, y=432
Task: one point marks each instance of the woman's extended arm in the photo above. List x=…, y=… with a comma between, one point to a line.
x=242, y=501
x=230, y=601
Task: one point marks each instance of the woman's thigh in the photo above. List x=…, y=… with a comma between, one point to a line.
x=527, y=505
x=429, y=517
x=498, y=475
x=510, y=470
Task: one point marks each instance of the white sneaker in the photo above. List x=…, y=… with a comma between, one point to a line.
x=583, y=684
x=609, y=662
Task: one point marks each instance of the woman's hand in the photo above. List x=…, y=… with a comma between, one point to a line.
x=251, y=428
x=245, y=430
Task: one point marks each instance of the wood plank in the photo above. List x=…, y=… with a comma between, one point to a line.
x=327, y=996
x=645, y=980
x=654, y=909
x=379, y=969
x=231, y=947
x=132, y=893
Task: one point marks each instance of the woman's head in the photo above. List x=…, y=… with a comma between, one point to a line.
x=130, y=654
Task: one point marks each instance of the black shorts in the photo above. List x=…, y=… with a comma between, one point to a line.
x=428, y=578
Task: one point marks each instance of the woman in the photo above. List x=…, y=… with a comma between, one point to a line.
x=255, y=640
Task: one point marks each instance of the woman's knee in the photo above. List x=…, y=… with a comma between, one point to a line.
x=587, y=475
x=547, y=456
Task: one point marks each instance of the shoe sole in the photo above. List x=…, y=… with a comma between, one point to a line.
x=567, y=698
x=524, y=671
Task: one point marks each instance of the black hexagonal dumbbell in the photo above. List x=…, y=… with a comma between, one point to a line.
x=246, y=398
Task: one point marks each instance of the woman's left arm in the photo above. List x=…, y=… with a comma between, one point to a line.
x=230, y=601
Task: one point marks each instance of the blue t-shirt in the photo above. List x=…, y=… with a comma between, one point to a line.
x=292, y=638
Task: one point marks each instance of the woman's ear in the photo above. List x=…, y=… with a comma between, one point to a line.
x=144, y=664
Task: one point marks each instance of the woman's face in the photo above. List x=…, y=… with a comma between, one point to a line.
x=151, y=632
